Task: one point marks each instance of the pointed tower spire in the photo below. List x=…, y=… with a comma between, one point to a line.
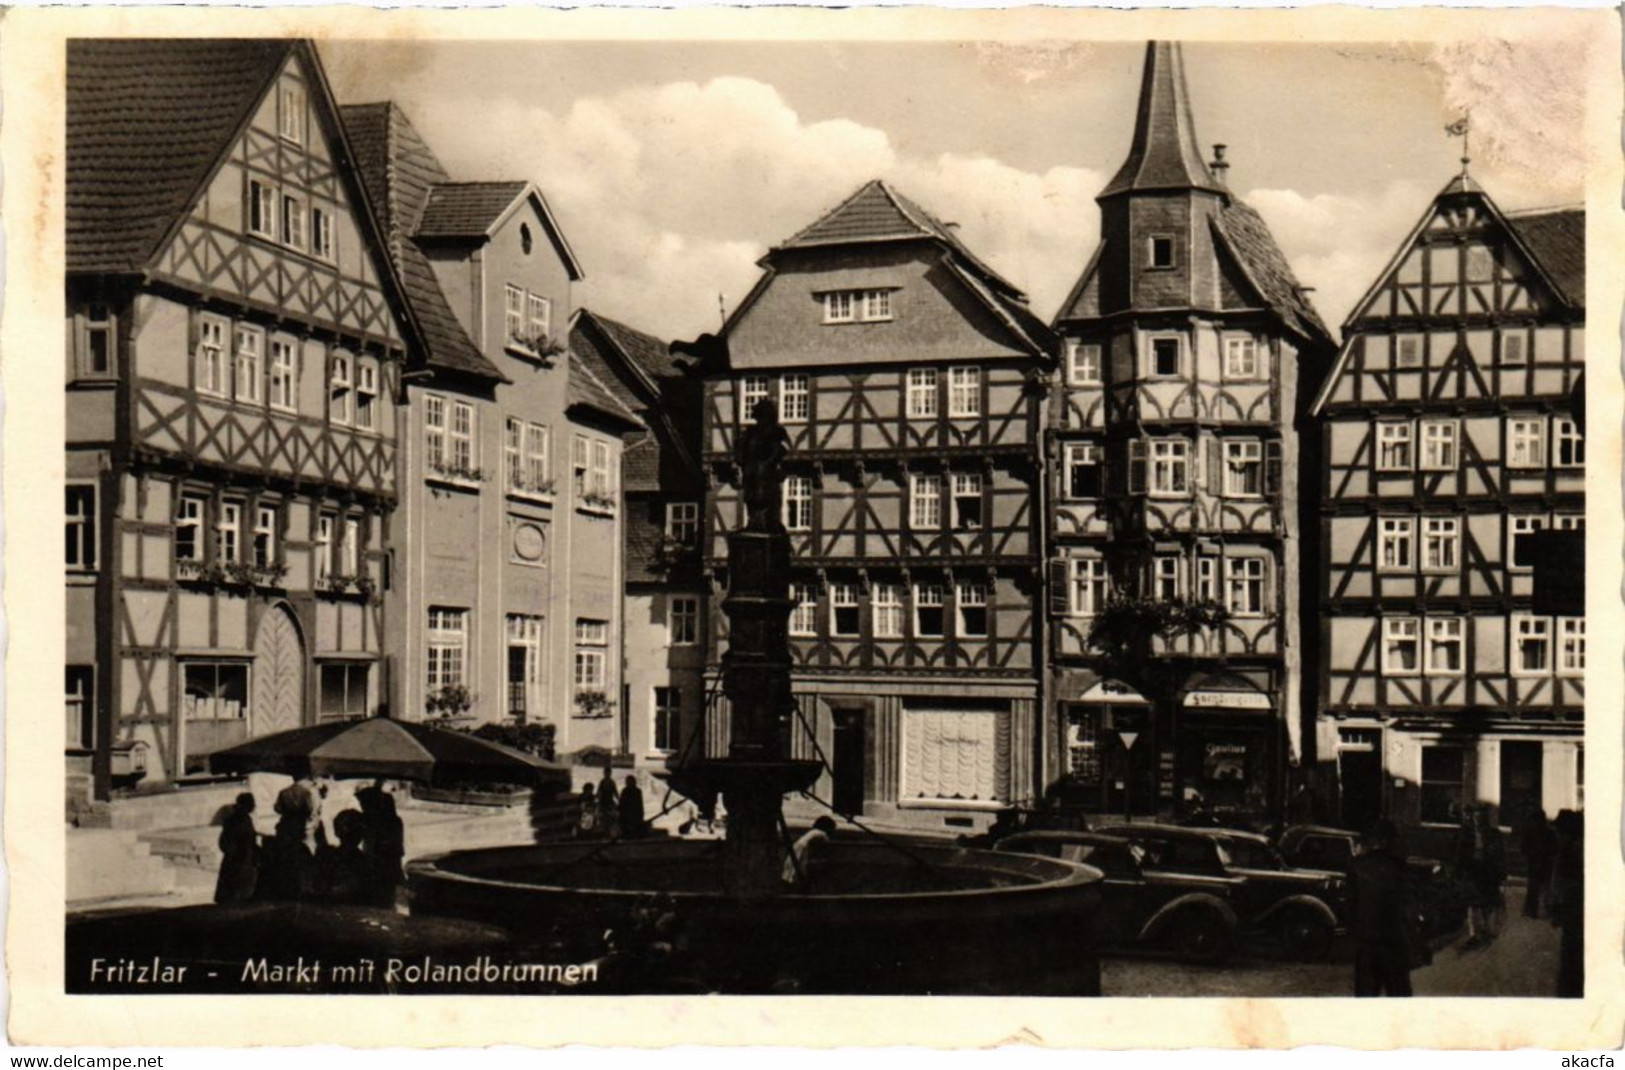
x=1164, y=155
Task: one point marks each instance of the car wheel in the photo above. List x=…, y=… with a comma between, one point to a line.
x=1201, y=935
x=1307, y=934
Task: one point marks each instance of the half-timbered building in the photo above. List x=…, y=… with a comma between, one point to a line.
x=235, y=337
x=908, y=375
x=1189, y=355
x=1449, y=441
x=508, y=543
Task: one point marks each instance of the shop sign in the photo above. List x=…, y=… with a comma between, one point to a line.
x=1227, y=700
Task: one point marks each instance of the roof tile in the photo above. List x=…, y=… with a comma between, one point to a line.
x=466, y=209
x=1557, y=238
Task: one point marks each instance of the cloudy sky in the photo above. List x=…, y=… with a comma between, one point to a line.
x=673, y=166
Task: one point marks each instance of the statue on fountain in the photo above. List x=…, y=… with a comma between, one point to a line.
x=760, y=454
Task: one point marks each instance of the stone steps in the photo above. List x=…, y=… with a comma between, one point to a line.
x=111, y=863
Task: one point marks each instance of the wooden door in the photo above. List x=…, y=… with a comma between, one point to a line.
x=279, y=675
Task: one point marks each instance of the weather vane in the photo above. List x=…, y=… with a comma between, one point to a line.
x=1460, y=128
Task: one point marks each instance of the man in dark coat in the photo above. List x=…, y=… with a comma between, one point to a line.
x=1539, y=845
x=239, y=854
x=631, y=809
x=1383, y=939
x=609, y=803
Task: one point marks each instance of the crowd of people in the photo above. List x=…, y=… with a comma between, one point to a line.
x=321, y=850
x=608, y=813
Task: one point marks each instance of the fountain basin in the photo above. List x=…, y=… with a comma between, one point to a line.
x=877, y=919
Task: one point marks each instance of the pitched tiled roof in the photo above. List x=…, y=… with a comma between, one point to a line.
x=1557, y=238
x=399, y=171
x=640, y=464
x=146, y=121
x=1247, y=236
x=1164, y=153
x=586, y=390
x=466, y=209
x=649, y=353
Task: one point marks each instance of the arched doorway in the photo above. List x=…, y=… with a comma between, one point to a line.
x=279, y=673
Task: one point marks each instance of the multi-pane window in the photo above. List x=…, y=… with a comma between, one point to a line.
x=1083, y=363
x=1165, y=578
x=447, y=647
x=1445, y=637
x=1568, y=445
x=668, y=715
x=1440, y=450
x=1531, y=644
x=291, y=119
x=524, y=666
x=513, y=311
x=804, y=609
x=343, y=695
x=794, y=405
x=853, y=306
x=1244, y=585
x=1401, y=645
x=971, y=600
x=1396, y=543
x=524, y=449
x=1244, y=469
x=685, y=620
x=293, y=221
x=1083, y=470
x=189, y=528
x=261, y=209
x=339, y=385
x=1568, y=522
x=214, y=691
x=682, y=521
x=1517, y=528
x=81, y=527
x=326, y=535
x=284, y=375
x=1165, y=356
x=1408, y=351
x=1395, y=444
x=1170, y=466
x=460, y=436
x=798, y=503
x=1526, y=443
x=928, y=602
x=98, y=338
x=841, y=306
x=592, y=656
x=1441, y=543
x=538, y=315
x=877, y=304
x=248, y=363
x=752, y=390
x=886, y=603
x=1207, y=578
x=925, y=501
x=366, y=394
x=513, y=453
x=1088, y=587
x=1571, y=649
x=211, y=355
x=603, y=472
x=228, y=533
x=1240, y=358
x=434, y=431
x=266, y=519
x=922, y=393
x=967, y=500
x=843, y=609
x=321, y=232
x=350, y=547
x=964, y=391
x=580, y=463
x=1444, y=783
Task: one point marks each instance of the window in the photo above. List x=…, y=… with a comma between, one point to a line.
x=1441, y=544
x=189, y=528
x=1162, y=251
x=1240, y=358
x=971, y=599
x=843, y=609
x=460, y=437
x=798, y=503
x=291, y=121
x=344, y=691
x=840, y=306
x=967, y=500
x=1244, y=583
x=1394, y=444
x=1408, y=351
x=228, y=533
x=447, y=649
x=247, y=365
x=513, y=453
x=579, y=464
x=1244, y=469
x=603, y=473
x=1439, y=452
x=957, y=755
x=928, y=599
x=1443, y=784
x=1165, y=354
x=266, y=524
x=98, y=351
x=1396, y=543
x=434, y=432
x=338, y=389
x=1083, y=470
x=211, y=360
x=852, y=306
x=964, y=391
x=752, y=391
x=1571, y=650
x=366, y=395
x=668, y=718
x=538, y=316
x=685, y=620
x=1445, y=637
x=524, y=452
x=1512, y=349
x=793, y=400
x=1517, y=528
x=321, y=232
x=261, y=209
x=925, y=502
x=886, y=603
x=1207, y=579
x=1166, y=577
x=592, y=641
x=293, y=221
x=1083, y=363
x=326, y=534
x=81, y=707
x=1087, y=595
x=682, y=521
x=284, y=375
x=215, y=691
x=1568, y=522
x=1401, y=645
x=922, y=393
x=1531, y=645
x=513, y=311
x=877, y=305
x=1568, y=446
x=1170, y=466
x=1526, y=443
x=350, y=548
x=804, y=611
x=81, y=527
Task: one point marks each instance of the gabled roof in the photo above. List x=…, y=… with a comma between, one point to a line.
x=1244, y=232
x=1556, y=238
x=1164, y=153
x=1084, y=300
x=647, y=355
x=147, y=121
x=472, y=211
x=586, y=390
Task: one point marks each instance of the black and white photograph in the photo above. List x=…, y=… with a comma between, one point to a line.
x=1069, y=515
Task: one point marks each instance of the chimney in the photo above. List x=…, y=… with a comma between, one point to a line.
x=1219, y=167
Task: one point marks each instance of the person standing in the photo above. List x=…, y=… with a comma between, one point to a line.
x=383, y=842
x=631, y=809
x=1539, y=846
x=239, y=854
x=609, y=802
x=1569, y=903
x=1385, y=944
x=803, y=853
x=587, y=814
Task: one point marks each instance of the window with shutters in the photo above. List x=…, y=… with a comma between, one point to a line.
x=1083, y=363
x=753, y=390
x=1440, y=445
x=798, y=503
x=964, y=392
x=603, y=472
x=804, y=611
x=1083, y=471
x=1445, y=638
x=1244, y=469
x=928, y=615
x=211, y=355
x=1526, y=443
x=1441, y=543
x=1396, y=542
x=886, y=604
x=967, y=500
x=794, y=392
x=971, y=600
x=1395, y=446
x=1401, y=646
x=922, y=393
x=844, y=620
x=1568, y=445
x=1531, y=645
x=1170, y=460
x=925, y=501
x=1088, y=586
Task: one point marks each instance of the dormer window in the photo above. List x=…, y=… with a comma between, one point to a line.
x=1162, y=251
x=857, y=306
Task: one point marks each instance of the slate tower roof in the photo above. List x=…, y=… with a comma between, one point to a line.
x=1164, y=154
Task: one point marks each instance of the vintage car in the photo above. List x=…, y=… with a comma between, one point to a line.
x=1141, y=908
x=1301, y=910
x=1439, y=896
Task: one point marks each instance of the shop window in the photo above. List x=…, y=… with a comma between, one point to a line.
x=956, y=755
x=1443, y=783
x=344, y=691
x=1083, y=745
